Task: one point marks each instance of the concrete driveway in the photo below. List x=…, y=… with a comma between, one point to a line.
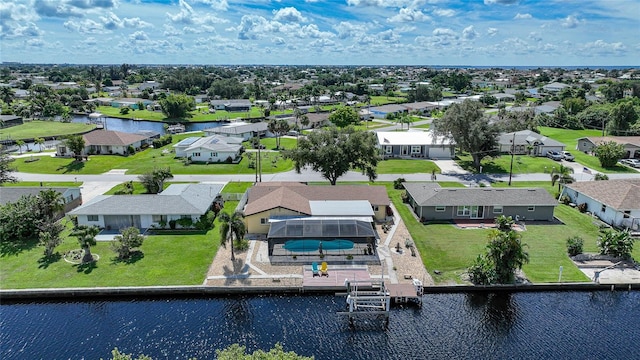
x=450, y=167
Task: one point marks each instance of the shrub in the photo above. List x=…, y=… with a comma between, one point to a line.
x=185, y=222
x=241, y=245
x=349, y=257
x=565, y=200
x=600, y=176
x=574, y=245
x=229, y=160
x=172, y=224
x=583, y=207
x=397, y=183
x=616, y=243
x=131, y=150
x=482, y=272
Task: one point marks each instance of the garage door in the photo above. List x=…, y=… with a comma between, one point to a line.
x=439, y=152
x=118, y=222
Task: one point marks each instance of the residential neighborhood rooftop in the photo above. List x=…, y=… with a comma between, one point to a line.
x=621, y=194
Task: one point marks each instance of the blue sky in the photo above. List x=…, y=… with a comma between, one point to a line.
x=322, y=32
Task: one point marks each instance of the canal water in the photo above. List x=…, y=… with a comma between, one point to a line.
x=133, y=126
x=542, y=325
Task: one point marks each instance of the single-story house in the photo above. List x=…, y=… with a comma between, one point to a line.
x=502, y=97
x=422, y=107
x=616, y=202
x=528, y=142
x=209, y=149
x=631, y=144
x=131, y=102
x=274, y=201
x=149, y=85
x=234, y=105
x=71, y=196
x=383, y=111
x=239, y=129
x=421, y=144
x=555, y=87
x=431, y=202
x=109, y=142
x=116, y=212
x=10, y=120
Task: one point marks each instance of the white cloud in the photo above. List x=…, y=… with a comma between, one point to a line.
x=444, y=32
x=492, y=31
x=389, y=36
x=409, y=15
x=16, y=12
x=570, y=22
x=522, y=16
x=346, y=30
x=444, y=12
x=169, y=30
x=255, y=27
x=61, y=9
x=288, y=14
x=35, y=42
x=86, y=26
x=601, y=47
x=535, y=36
x=469, y=33
x=216, y=4
x=501, y=2
x=279, y=41
x=139, y=36
x=187, y=15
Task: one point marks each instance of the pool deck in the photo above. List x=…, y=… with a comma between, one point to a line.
x=254, y=267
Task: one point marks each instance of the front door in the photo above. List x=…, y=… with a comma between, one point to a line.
x=477, y=212
x=405, y=150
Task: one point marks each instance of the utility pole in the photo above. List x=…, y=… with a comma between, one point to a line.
x=513, y=145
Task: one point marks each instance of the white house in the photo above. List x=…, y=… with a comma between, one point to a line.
x=616, y=202
x=239, y=129
x=209, y=149
x=528, y=142
x=115, y=212
x=416, y=144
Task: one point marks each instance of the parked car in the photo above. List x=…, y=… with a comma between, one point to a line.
x=568, y=156
x=634, y=163
x=554, y=155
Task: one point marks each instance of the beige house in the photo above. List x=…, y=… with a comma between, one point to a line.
x=274, y=201
x=631, y=144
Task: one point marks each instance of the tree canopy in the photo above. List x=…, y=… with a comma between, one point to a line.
x=75, y=143
x=177, y=106
x=231, y=226
x=333, y=152
x=6, y=169
x=344, y=117
x=609, y=153
x=468, y=126
x=153, y=181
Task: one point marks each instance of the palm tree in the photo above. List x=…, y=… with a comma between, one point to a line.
x=507, y=252
x=40, y=142
x=6, y=94
x=562, y=176
x=50, y=202
x=231, y=227
x=86, y=238
x=20, y=144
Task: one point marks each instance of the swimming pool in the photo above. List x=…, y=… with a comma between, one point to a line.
x=307, y=245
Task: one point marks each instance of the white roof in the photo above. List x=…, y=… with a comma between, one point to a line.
x=410, y=138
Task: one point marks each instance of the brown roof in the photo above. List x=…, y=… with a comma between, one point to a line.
x=618, y=194
x=296, y=196
x=108, y=137
x=633, y=140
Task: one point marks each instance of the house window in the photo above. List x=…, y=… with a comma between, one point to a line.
x=464, y=210
x=497, y=209
x=264, y=221
x=627, y=214
x=440, y=208
x=415, y=149
x=388, y=149
x=531, y=208
x=159, y=218
x=215, y=154
x=375, y=207
x=603, y=208
x=185, y=216
x=196, y=154
x=92, y=217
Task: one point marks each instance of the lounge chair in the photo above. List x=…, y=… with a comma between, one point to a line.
x=314, y=269
x=324, y=271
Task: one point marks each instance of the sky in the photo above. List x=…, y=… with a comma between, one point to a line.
x=322, y=32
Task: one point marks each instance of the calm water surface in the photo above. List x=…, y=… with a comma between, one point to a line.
x=132, y=126
x=558, y=325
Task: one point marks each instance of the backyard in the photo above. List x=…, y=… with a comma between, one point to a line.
x=34, y=129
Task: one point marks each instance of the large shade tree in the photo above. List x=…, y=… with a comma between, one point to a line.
x=76, y=144
x=344, y=117
x=470, y=128
x=177, y=106
x=609, y=152
x=333, y=152
x=231, y=227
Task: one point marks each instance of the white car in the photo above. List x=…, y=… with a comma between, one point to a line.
x=634, y=163
x=567, y=156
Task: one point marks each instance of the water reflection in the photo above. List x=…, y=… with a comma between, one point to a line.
x=496, y=309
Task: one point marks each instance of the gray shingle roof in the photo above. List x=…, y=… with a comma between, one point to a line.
x=14, y=193
x=431, y=194
x=526, y=137
x=618, y=194
x=177, y=199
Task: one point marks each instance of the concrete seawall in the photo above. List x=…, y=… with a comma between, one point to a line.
x=169, y=291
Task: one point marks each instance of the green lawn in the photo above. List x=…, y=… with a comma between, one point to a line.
x=176, y=259
x=450, y=250
x=407, y=166
x=44, y=184
x=522, y=164
x=197, y=116
x=34, y=129
x=146, y=160
x=270, y=143
x=235, y=187
x=570, y=139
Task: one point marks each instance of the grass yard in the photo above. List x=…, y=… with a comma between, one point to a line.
x=44, y=184
x=270, y=143
x=146, y=160
x=176, y=259
x=407, y=166
x=522, y=164
x=451, y=250
x=236, y=187
x=383, y=100
x=570, y=138
x=34, y=129
x=198, y=115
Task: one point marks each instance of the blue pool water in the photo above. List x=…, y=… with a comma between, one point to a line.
x=313, y=245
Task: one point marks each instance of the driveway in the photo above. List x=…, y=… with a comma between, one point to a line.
x=450, y=167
